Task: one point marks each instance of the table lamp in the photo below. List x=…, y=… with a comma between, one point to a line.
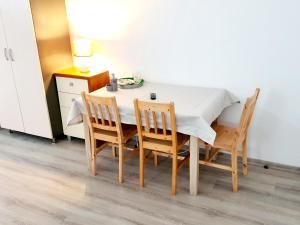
x=83, y=50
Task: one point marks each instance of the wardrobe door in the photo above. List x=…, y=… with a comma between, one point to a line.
x=10, y=115
x=26, y=67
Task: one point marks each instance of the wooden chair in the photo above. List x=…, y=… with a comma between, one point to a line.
x=148, y=118
x=104, y=123
x=229, y=139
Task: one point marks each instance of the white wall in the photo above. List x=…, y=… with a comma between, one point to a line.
x=233, y=44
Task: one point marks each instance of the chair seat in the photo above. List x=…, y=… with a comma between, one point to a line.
x=112, y=136
x=225, y=137
x=164, y=145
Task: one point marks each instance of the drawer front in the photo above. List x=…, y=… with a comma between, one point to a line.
x=71, y=85
x=66, y=99
x=73, y=130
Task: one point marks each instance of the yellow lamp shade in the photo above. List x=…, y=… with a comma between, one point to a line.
x=82, y=48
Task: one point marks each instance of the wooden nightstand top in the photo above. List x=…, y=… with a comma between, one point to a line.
x=74, y=72
x=96, y=80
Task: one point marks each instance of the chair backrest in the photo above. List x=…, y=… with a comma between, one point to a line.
x=102, y=113
x=152, y=121
x=247, y=115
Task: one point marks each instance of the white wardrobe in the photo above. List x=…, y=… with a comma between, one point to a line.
x=34, y=44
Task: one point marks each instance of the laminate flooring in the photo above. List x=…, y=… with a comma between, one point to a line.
x=48, y=184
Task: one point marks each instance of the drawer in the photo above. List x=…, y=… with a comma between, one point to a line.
x=71, y=85
x=73, y=130
x=66, y=99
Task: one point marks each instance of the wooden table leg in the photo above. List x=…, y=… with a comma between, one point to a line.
x=87, y=143
x=194, y=165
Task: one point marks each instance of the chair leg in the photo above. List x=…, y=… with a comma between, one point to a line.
x=207, y=150
x=234, y=170
x=121, y=163
x=174, y=173
x=155, y=159
x=142, y=165
x=114, y=153
x=188, y=162
x=244, y=156
x=94, y=156
x=215, y=156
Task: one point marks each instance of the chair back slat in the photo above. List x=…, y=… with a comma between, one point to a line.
x=101, y=115
x=154, y=122
x=163, y=119
x=247, y=115
x=148, y=127
x=109, y=117
x=146, y=116
x=94, y=112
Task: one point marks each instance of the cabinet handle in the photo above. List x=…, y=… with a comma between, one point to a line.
x=10, y=52
x=71, y=84
x=5, y=54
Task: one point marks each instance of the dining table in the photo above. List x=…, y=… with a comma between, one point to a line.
x=195, y=110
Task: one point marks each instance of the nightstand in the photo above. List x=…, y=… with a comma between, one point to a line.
x=70, y=83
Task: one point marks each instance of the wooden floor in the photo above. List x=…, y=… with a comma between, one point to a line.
x=43, y=183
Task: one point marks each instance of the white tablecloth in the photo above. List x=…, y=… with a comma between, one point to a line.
x=195, y=107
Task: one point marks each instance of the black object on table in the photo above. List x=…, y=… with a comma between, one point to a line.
x=152, y=96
